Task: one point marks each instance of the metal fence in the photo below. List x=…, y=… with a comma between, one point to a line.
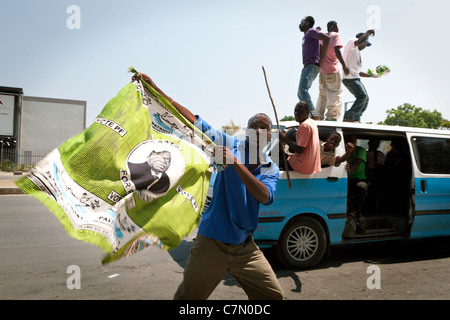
x=13, y=159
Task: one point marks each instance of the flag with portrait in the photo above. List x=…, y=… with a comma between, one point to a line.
x=137, y=177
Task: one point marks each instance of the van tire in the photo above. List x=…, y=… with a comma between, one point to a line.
x=302, y=243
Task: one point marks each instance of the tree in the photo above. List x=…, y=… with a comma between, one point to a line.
x=288, y=118
x=411, y=116
x=445, y=124
x=231, y=127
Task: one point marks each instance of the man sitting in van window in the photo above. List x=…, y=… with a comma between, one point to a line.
x=357, y=182
x=328, y=148
x=306, y=157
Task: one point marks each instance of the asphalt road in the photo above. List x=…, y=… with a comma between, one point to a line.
x=38, y=260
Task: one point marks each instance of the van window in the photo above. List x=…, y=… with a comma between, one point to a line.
x=432, y=154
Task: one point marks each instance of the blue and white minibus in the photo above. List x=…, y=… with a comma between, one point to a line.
x=408, y=197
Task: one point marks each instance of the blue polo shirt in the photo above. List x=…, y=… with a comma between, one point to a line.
x=233, y=212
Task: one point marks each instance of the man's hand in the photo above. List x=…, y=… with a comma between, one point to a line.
x=349, y=147
x=223, y=155
x=147, y=79
x=346, y=70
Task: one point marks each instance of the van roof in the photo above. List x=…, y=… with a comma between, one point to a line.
x=375, y=127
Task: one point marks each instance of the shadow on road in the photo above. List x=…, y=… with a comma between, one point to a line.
x=180, y=255
x=386, y=252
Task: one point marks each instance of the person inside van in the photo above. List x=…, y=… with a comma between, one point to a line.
x=398, y=177
x=357, y=182
x=306, y=152
x=328, y=150
x=375, y=172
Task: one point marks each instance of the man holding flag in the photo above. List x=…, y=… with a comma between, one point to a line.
x=224, y=243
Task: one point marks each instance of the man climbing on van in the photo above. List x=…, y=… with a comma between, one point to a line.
x=306, y=152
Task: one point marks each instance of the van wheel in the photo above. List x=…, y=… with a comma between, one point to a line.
x=302, y=243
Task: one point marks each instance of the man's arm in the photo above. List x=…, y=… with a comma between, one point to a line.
x=349, y=147
x=184, y=111
x=323, y=50
x=352, y=168
x=292, y=145
x=256, y=188
x=366, y=75
x=364, y=37
x=253, y=185
x=337, y=51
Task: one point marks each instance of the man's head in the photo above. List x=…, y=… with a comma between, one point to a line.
x=159, y=161
x=301, y=111
x=333, y=141
x=306, y=23
x=259, y=130
x=332, y=26
x=351, y=138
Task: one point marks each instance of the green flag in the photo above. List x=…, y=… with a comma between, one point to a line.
x=138, y=176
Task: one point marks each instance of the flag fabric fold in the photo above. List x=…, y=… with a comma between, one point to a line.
x=137, y=177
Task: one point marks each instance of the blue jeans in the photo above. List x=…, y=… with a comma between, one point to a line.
x=309, y=74
x=356, y=88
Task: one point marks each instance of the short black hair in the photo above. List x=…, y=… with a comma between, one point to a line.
x=303, y=106
x=331, y=25
x=310, y=20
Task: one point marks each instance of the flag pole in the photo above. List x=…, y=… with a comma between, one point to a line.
x=279, y=129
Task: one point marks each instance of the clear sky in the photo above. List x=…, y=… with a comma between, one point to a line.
x=208, y=54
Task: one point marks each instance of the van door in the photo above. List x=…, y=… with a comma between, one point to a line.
x=432, y=184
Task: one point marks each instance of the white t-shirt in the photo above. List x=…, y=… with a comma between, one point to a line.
x=352, y=58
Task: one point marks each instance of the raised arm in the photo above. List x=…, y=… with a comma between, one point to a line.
x=349, y=147
x=364, y=37
x=183, y=110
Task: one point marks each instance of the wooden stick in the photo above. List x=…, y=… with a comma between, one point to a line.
x=279, y=129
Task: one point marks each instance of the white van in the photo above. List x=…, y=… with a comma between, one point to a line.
x=408, y=195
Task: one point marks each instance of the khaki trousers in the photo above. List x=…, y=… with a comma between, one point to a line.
x=211, y=260
x=330, y=96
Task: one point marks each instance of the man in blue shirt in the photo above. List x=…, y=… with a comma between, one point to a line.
x=224, y=243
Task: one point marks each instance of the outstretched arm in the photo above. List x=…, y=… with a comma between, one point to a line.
x=253, y=185
x=183, y=110
x=349, y=147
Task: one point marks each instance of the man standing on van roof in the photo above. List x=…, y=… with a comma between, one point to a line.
x=352, y=58
x=330, y=96
x=313, y=57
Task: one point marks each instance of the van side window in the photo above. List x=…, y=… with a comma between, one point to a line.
x=432, y=154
